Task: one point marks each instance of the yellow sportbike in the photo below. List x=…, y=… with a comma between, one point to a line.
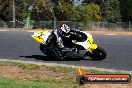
x=86, y=49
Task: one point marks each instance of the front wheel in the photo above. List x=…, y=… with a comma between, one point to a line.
x=98, y=54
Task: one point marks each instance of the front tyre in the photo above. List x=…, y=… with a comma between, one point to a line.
x=98, y=54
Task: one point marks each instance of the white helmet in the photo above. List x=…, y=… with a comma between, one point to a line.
x=64, y=30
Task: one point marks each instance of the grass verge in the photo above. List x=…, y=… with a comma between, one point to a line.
x=19, y=75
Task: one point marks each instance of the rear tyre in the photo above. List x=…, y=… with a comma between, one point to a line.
x=51, y=49
x=98, y=54
x=43, y=48
x=54, y=52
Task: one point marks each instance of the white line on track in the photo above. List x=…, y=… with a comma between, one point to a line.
x=3, y=30
x=17, y=30
x=110, y=34
x=65, y=65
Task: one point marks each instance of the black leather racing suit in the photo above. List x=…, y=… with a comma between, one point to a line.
x=73, y=35
x=65, y=41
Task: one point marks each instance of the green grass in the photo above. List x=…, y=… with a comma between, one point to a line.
x=53, y=68
x=19, y=83
x=38, y=81
x=48, y=82
x=20, y=65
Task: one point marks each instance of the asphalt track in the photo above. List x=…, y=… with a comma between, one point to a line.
x=20, y=46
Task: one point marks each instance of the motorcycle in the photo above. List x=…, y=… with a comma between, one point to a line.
x=82, y=49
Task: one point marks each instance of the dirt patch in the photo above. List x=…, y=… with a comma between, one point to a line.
x=107, y=86
x=8, y=71
x=14, y=72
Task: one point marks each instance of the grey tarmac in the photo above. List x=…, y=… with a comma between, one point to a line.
x=15, y=45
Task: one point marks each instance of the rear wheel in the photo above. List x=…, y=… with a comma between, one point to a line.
x=98, y=54
x=43, y=48
x=51, y=51
x=56, y=53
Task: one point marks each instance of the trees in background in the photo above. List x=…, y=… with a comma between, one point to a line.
x=44, y=9
x=110, y=10
x=6, y=9
x=63, y=9
x=126, y=9
x=89, y=10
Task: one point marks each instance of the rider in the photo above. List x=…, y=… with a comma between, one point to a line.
x=64, y=37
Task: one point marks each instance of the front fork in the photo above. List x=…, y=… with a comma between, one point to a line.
x=92, y=48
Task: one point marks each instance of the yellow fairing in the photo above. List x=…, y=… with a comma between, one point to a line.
x=37, y=38
x=38, y=35
x=89, y=40
x=92, y=46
